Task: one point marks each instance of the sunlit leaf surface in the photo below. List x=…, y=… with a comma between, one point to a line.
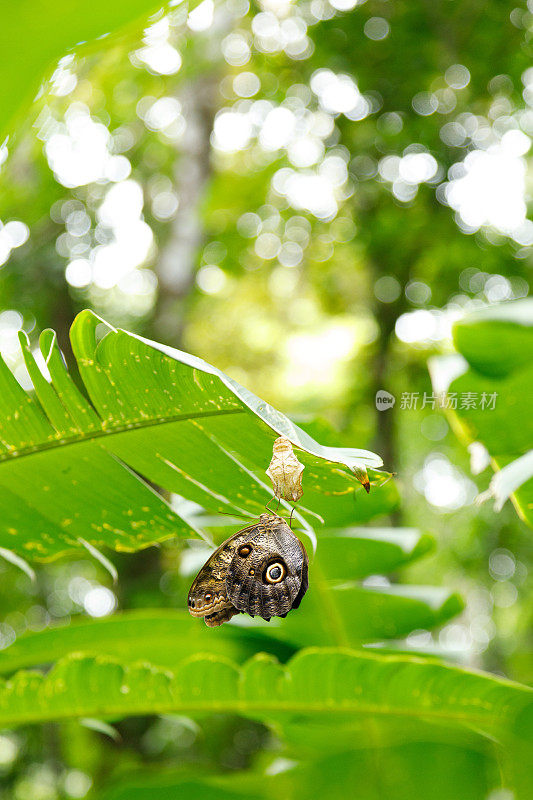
x=71, y=469
x=315, y=682
x=50, y=30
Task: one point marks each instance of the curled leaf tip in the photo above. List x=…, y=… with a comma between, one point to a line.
x=362, y=476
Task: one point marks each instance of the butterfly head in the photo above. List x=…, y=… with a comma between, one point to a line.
x=270, y=519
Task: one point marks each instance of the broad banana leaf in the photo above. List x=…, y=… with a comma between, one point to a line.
x=75, y=471
x=315, y=683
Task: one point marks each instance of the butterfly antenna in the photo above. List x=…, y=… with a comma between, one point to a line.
x=232, y=514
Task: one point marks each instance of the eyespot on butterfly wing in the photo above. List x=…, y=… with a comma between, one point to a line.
x=268, y=574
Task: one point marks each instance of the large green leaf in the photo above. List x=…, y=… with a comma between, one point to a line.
x=497, y=339
x=352, y=553
x=494, y=372
x=161, y=636
x=329, y=615
x=314, y=683
x=349, y=614
x=70, y=470
x=423, y=769
x=34, y=35
x=335, y=611
x=499, y=425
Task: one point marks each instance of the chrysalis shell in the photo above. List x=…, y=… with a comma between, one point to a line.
x=285, y=471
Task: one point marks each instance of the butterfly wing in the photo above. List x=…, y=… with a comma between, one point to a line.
x=267, y=575
x=304, y=585
x=207, y=595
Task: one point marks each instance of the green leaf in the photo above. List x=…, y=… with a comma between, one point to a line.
x=368, y=766
x=33, y=36
x=162, y=637
x=168, y=787
x=514, y=480
x=373, y=769
x=157, y=416
x=334, y=611
x=424, y=770
x=352, y=553
x=499, y=426
x=314, y=683
x=498, y=339
x=348, y=614
x=497, y=381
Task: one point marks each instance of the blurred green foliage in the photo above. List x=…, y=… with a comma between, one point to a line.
x=497, y=344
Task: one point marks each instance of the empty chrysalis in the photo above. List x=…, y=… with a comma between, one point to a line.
x=285, y=471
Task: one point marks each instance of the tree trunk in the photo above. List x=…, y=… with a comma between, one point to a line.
x=177, y=264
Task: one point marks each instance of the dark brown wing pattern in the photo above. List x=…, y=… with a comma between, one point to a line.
x=266, y=572
x=261, y=570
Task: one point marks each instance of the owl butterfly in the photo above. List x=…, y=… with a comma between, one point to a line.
x=262, y=569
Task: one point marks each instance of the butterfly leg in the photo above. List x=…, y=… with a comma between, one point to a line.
x=290, y=518
x=267, y=505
